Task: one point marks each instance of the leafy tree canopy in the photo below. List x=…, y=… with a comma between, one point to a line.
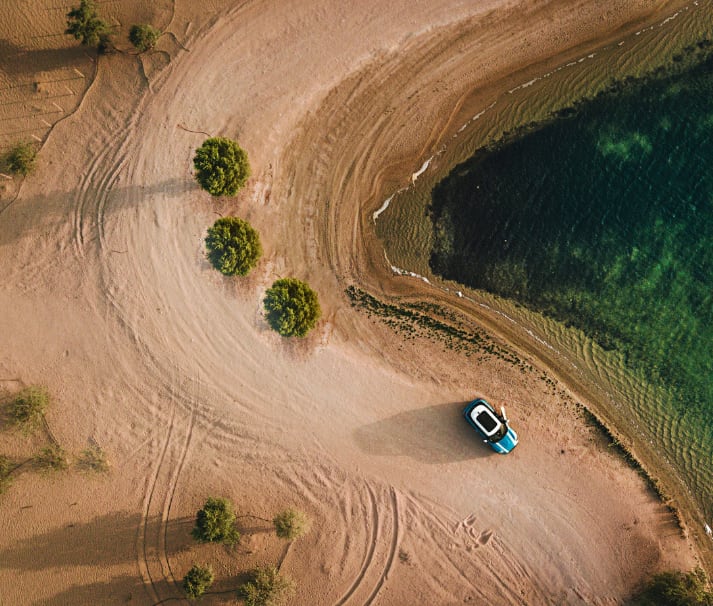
x=292, y=307
x=675, y=588
x=267, y=587
x=28, y=408
x=233, y=246
x=290, y=524
x=216, y=522
x=22, y=158
x=85, y=25
x=222, y=166
x=197, y=581
x=143, y=36
x=52, y=458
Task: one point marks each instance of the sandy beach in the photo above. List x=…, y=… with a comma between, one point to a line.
x=108, y=300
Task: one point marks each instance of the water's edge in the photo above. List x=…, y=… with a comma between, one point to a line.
x=595, y=373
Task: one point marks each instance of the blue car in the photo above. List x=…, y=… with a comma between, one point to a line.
x=491, y=426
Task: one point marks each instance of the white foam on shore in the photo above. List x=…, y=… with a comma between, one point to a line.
x=411, y=274
x=383, y=207
x=421, y=170
x=414, y=176
x=671, y=18
x=404, y=272
x=474, y=118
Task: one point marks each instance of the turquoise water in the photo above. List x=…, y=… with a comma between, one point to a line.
x=603, y=220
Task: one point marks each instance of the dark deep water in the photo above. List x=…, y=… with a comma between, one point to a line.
x=604, y=220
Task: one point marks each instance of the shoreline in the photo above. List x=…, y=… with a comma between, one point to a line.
x=173, y=372
x=658, y=471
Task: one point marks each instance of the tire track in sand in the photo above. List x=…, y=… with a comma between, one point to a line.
x=95, y=187
x=153, y=562
x=393, y=546
x=370, y=555
x=116, y=98
x=369, y=552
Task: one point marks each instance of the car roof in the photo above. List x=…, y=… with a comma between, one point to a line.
x=485, y=419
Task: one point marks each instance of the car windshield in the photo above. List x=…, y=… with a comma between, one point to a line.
x=494, y=427
x=487, y=421
x=500, y=434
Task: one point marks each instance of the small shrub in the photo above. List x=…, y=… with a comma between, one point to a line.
x=292, y=307
x=233, y=246
x=143, y=36
x=6, y=468
x=675, y=588
x=28, y=408
x=290, y=524
x=22, y=159
x=85, y=25
x=197, y=581
x=93, y=459
x=216, y=523
x=267, y=587
x=51, y=458
x=222, y=166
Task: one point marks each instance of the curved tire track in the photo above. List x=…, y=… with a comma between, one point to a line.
x=152, y=538
x=393, y=547
x=379, y=547
x=369, y=552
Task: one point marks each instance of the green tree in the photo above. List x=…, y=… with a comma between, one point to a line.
x=143, y=36
x=290, y=524
x=28, y=407
x=197, y=581
x=85, y=25
x=675, y=588
x=267, y=587
x=94, y=459
x=216, y=522
x=222, y=166
x=22, y=158
x=52, y=458
x=292, y=307
x=233, y=246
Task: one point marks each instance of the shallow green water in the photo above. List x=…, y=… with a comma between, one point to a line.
x=604, y=221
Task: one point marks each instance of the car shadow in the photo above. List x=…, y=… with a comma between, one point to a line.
x=434, y=434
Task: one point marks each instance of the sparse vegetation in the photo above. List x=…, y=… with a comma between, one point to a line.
x=85, y=25
x=290, y=524
x=51, y=458
x=222, y=166
x=267, y=588
x=93, y=459
x=435, y=323
x=233, y=246
x=197, y=581
x=143, y=36
x=675, y=588
x=6, y=468
x=28, y=408
x=292, y=307
x=22, y=158
x=216, y=522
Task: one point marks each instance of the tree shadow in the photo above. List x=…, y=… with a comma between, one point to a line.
x=54, y=210
x=16, y=58
x=124, y=589
x=104, y=541
x=435, y=434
